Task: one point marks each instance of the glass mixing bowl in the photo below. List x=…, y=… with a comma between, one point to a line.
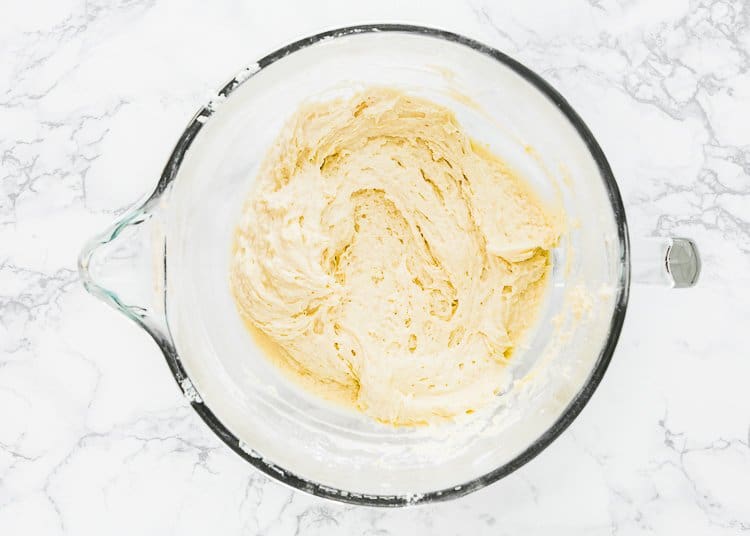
x=165, y=264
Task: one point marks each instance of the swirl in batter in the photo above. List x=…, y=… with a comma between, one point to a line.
x=393, y=262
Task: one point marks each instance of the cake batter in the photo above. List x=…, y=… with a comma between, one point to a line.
x=392, y=262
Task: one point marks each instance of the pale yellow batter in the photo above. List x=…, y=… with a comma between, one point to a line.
x=392, y=262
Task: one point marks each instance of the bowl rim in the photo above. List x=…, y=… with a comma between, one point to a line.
x=575, y=406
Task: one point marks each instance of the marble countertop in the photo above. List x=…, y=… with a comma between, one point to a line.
x=93, y=95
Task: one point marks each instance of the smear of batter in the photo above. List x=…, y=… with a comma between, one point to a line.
x=393, y=262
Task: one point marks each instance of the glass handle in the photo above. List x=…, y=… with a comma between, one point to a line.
x=669, y=262
x=124, y=267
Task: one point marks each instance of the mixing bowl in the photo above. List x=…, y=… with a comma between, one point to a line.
x=165, y=264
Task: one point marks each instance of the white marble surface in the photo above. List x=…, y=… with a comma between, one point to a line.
x=94, y=93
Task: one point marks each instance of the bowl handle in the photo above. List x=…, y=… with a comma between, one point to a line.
x=670, y=262
x=125, y=267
